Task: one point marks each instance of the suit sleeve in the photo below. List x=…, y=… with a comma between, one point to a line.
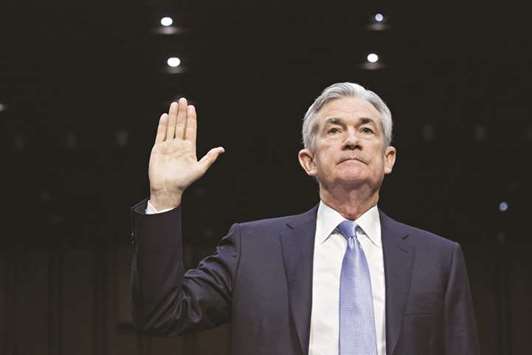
x=165, y=299
x=460, y=326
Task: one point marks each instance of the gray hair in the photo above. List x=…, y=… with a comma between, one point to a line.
x=339, y=90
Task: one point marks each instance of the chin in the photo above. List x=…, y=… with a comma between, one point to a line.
x=352, y=174
x=353, y=180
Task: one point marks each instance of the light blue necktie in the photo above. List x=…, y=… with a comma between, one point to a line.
x=357, y=323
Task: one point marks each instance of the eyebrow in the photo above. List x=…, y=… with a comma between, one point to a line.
x=333, y=120
x=340, y=121
x=367, y=120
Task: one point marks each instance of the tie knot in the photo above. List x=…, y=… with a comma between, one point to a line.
x=348, y=229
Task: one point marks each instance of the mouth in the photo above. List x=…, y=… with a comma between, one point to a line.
x=352, y=159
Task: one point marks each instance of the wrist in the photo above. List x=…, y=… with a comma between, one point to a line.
x=161, y=201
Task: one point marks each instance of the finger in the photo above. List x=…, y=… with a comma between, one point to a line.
x=181, y=118
x=209, y=158
x=191, y=125
x=172, y=118
x=161, y=128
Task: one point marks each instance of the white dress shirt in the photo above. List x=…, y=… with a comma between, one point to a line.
x=152, y=210
x=329, y=250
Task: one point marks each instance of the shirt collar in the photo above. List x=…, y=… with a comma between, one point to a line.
x=328, y=219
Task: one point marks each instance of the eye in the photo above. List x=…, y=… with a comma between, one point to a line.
x=333, y=130
x=367, y=130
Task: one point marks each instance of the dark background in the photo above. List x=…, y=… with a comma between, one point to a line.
x=83, y=84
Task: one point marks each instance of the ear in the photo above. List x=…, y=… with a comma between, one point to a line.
x=306, y=159
x=390, y=154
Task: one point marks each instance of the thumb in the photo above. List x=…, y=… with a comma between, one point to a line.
x=209, y=158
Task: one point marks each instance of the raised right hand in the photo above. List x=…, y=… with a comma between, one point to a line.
x=174, y=165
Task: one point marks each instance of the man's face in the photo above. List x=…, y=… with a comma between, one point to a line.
x=348, y=147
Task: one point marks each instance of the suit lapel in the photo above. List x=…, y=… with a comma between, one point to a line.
x=297, y=241
x=398, y=261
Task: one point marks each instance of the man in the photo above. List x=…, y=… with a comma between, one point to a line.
x=342, y=278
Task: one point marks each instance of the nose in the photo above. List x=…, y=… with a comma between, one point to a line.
x=351, y=141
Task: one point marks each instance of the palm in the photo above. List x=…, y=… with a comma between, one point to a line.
x=173, y=162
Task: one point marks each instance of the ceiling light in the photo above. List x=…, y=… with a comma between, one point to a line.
x=503, y=206
x=167, y=21
x=173, y=62
x=373, y=58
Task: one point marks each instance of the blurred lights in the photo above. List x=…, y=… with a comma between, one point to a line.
x=428, y=132
x=2, y=107
x=71, y=140
x=173, y=62
x=45, y=195
x=378, y=22
x=166, y=21
x=19, y=142
x=373, y=58
x=480, y=133
x=372, y=62
x=167, y=27
x=121, y=138
x=503, y=206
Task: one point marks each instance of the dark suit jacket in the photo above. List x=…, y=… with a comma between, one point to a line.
x=260, y=280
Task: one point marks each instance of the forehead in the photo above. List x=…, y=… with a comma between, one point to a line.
x=348, y=108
